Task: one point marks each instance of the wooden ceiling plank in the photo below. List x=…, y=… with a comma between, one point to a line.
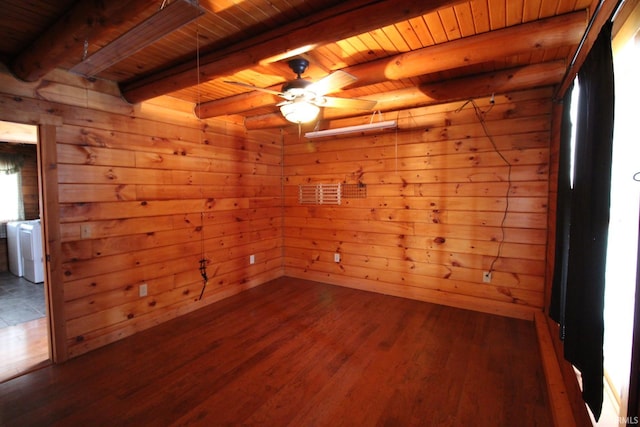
x=375, y=50
x=383, y=41
x=409, y=35
x=329, y=52
x=283, y=9
x=330, y=25
x=514, y=12
x=22, y=22
x=266, y=13
x=583, y=4
x=450, y=23
x=421, y=30
x=549, y=8
x=434, y=23
x=238, y=15
x=531, y=10
x=464, y=16
x=480, y=12
x=351, y=50
x=497, y=14
x=65, y=39
x=565, y=6
x=527, y=77
x=364, y=49
x=321, y=60
x=220, y=25
x=396, y=38
x=335, y=50
x=302, y=8
x=541, y=35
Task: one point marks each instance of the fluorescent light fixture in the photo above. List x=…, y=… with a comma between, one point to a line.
x=352, y=129
x=158, y=25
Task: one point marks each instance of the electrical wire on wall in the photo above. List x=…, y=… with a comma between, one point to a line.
x=378, y=113
x=480, y=114
x=396, y=141
x=203, y=258
x=198, y=70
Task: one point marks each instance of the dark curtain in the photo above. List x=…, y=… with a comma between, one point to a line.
x=559, y=290
x=583, y=323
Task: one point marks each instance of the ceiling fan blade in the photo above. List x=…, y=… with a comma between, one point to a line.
x=273, y=92
x=356, y=104
x=331, y=83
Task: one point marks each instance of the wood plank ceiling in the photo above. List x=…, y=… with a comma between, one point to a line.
x=404, y=53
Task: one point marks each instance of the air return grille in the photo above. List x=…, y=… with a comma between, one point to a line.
x=319, y=194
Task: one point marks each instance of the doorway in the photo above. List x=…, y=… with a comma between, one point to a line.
x=24, y=337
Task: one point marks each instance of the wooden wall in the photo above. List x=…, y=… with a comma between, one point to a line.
x=144, y=192
x=144, y=188
x=432, y=220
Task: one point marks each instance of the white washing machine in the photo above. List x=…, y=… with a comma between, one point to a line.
x=13, y=247
x=31, y=251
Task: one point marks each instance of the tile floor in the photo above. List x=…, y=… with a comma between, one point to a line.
x=20, y=300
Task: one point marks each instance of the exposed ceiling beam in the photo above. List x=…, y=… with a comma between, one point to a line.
x=537, y=75
x=65, y=40
x=564, y=30
x=168, y=19
x=345, y=20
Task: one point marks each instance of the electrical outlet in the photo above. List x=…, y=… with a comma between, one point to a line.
x=252, y=259
x=336, y=257
x=486, y=276
x=142, y=290
x=85, y=231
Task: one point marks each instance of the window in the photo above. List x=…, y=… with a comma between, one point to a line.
x=11, y=206
x=623, y=226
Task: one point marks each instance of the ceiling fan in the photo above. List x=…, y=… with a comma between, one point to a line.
x=303, y=98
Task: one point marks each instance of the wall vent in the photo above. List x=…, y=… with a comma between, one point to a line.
x=354, y=191
x=319, y=194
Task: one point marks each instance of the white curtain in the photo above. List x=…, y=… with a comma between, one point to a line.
x=10, y=163
x=11, y=206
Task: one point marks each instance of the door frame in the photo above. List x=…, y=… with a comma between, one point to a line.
x=47, y=159
x=50, y=217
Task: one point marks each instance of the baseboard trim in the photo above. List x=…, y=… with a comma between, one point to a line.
x=559, y=403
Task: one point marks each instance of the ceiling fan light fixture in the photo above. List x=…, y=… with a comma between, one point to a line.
x=299, y=111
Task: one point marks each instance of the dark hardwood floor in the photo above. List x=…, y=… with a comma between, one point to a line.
x=298, y=353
